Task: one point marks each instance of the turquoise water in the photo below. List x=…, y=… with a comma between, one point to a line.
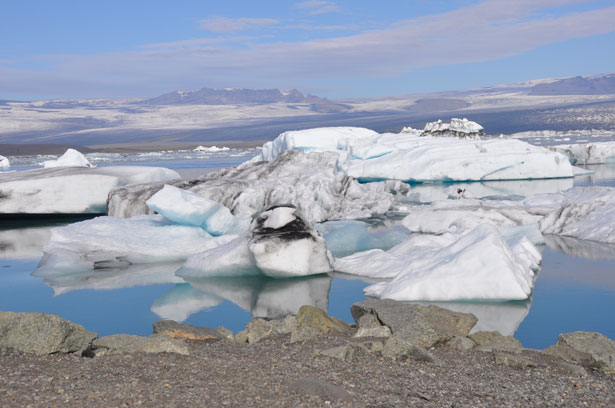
x=575, y=290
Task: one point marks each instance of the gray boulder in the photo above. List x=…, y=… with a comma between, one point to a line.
x=425, y=326
x=183, y=331
x=126, y=343
x=461, y=343
x=312, y=322
x=343, y=353
x=397, y=348
x=260, y=329
x=599, y=348
x=42, y=333
x=493, y=341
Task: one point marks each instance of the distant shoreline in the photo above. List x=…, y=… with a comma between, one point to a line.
x=40, y=148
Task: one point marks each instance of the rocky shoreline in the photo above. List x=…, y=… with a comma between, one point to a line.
x=395, y=355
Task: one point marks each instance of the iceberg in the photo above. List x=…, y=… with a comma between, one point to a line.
x=109, y=242
x=4, y=162
x=586, y=213
x=211, y=149
x=479, y=265
x=309, y=181
x=366, y=155
x=588, y=153
x=187, y=208
x=70, y=190
x=284, y=245
x=70, y=158
x=460, y=128
x=227, y=260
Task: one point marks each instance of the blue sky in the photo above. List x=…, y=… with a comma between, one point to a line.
x=333, y=48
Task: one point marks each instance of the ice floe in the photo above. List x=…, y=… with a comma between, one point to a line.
x=588, y=153
x=70, y=158
x=211, y=149
x=366, y=155
x=110, y=242
x=70, y=190
x=479, y=265
x=586, y=213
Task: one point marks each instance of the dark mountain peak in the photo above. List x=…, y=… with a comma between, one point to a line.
x=233, y=96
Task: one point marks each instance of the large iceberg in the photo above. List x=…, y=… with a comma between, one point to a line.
x=586, y=213
x=70, y=190
x=309, y=181
x=588, y=153
x=479, y=265
x=110, y=242
x=366, y=155
x=71, y=158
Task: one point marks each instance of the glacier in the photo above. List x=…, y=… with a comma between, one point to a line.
x=70, y=190
x=70, y=158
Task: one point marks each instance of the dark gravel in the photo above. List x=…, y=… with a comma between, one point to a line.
x=272, y=374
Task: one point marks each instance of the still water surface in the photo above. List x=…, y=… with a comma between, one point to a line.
x=575, y=290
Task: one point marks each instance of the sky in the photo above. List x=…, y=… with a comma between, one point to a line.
x=331, y=48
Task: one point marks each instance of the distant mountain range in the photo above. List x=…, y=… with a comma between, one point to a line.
x=233, y=96
x=602, y=85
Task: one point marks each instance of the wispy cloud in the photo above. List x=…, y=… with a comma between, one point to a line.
x=229, y=25
x=318, y=6
x=485, y=31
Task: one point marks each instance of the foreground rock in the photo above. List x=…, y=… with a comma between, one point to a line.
x=126, y=343
x=587, y=348
x=425, y=326
x=184, y=331
x=312, y=322
x=42, y=333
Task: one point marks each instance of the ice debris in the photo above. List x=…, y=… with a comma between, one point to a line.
x=70, y=158
x=187, y=208
x=211, y=149
x=71, y=190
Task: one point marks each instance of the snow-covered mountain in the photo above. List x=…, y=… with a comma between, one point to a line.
x=233, y=96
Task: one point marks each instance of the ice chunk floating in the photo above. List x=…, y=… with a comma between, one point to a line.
x=70, y=190
x=71, y=158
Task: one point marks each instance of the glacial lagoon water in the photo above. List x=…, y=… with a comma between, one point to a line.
x=575, y=290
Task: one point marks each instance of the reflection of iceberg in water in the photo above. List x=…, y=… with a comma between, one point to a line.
x=182, y=301
x=504, y=317
x=580, y=248
x=429, y=192
x=112, y=278
x=23, y=243
x=269, y=298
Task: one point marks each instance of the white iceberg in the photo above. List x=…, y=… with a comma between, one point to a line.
x=461, y=128
x=284, y=245
x=109, y=242
x=211, y=149
x=366, y=155
x=70, y=190
x=479, y=265
x=187, y=208
x=4, y=162
x=588, y=153
x=586, y=213
x=70, y=158
x=227, y=260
